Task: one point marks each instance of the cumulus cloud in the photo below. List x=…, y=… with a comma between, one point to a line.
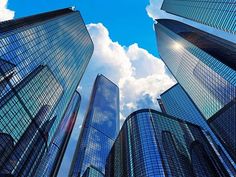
x=5, y=14
x=140, y=76
x=154, y=11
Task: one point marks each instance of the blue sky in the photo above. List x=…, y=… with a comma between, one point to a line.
x=127, y=21
x=124, y=40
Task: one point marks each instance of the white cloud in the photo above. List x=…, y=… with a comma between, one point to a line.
x=154, y=11
x=5, y=14
x=133, y=69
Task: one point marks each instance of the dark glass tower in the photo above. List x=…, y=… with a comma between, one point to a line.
x=53, y=158
x=176, y=102
x=204, y=65
x=216, y=13
x=92, y=172
x=151, y=143
x=42, y=59
x=100, y=128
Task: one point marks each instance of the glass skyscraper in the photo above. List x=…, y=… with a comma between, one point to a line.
x=176, y=102
x=53, y=158
x=204, y=65
x=216, y=13
x=151, y=143
x=92, y=172
x=99, y=129
x=42, y=59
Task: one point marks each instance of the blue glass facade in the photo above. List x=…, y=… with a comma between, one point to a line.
x=151, y=143
x=176, y=102
x=5, y=74
x=99, y=129
x=207, y=79
x=216, y=13
x=42, y=59
x=53, y=158
x=92, y=172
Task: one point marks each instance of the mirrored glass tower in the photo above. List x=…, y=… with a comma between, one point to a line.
x=42, y=59
x=216, y=13
x=151, y=143
x=99, y=129
x=204, y=65
x=176, y=102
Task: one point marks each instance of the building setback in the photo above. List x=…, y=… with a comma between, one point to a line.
x=204, y=65
x=52, y=160
x=219, y=14
x=42, y=59
x=99, y=129
x=152, y=143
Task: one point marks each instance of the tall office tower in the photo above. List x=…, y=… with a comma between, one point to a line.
x=99, y=129
x=92, y=172
x=216, y=13
x=176, y=102
x=204, y=65
x=151, y=143
x=53, y=158
x=42, y=59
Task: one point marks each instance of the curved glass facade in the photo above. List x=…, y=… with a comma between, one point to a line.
x=42, y=59
x=216, y=13
x=151, y=143
x=99, y=129
x=208, y=78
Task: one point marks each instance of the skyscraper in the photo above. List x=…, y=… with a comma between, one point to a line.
x=92, y=172
x=99, y=129
x=42, y=59
x=216, y=13
x=176, y=102
x=151, y=143
x=53, y=158
x=204, y=65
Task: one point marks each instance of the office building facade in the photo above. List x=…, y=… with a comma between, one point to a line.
x=99, y=129
x=42, y=59
x=177, y=103
x=52, y=159
x=152, y=143
x=219, y=14
x=204, y=65
x=92, y=172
